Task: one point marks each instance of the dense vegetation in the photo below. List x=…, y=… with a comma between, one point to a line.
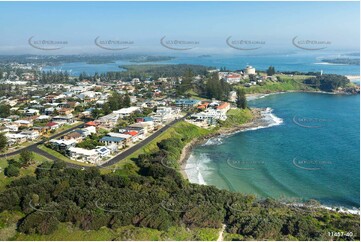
x=156, y=71
x=157, y=197
x=327, y=82
x=343, y=61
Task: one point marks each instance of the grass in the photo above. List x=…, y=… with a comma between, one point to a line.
x=4, y=180
x=61, y=157
x=179, y=129
x=287, y=83
x=236, y=117
x=68, y=232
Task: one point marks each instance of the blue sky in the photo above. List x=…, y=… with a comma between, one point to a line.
x=145, y=23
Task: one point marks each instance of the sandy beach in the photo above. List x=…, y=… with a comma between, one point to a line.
x=257, y=121
x=353, y=77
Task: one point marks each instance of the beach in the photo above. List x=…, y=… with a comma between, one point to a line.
x=255, y=123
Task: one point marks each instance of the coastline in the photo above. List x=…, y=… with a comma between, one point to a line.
x=256, y=122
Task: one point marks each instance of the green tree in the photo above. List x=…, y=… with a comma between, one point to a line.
x=12, y=170
x=126, y=101
x=4, y=110
x=241, y=99
x=271, y=71
x=26, y=157
x=3, y=141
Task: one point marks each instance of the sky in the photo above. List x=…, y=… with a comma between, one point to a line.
x=205, y=26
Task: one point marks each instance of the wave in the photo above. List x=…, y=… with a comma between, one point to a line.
x=329, y=64
x=335, y=209
x=213, y=141
x=193, y=169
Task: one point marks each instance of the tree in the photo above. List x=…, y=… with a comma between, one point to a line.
x=26, y=157
x=4, y=110
x=126, y=101
x=12, y=170
x=241, y=99
x=271, y=71
x=3, y=141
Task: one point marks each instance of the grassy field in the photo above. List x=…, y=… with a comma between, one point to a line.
x=61, y=157
x=236, y=117
x=178, y=129
x=288, y=83
x=69, y=232
x=4, y=180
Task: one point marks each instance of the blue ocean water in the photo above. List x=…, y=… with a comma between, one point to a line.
x=282, y=62
x=314, y=153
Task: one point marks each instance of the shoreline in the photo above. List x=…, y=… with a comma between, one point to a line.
x=256, y=122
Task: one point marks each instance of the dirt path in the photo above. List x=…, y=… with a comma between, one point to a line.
x=220, y=237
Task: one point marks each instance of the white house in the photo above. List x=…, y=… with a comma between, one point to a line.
x=31, y=134
x=80, y=154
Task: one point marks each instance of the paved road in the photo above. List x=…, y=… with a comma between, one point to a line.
x=134, y=148
x=110, y=162
x=34, y=148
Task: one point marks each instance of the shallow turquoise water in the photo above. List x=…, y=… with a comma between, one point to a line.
x=314, y=153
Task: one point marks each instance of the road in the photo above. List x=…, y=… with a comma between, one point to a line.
x=34, y=148
x=144, y=142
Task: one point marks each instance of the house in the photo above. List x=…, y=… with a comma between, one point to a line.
x=74, y=135
x=24, y=123
x=12, y=128
x=232, y=96
x=66, y=119
x=31, y=134
x=143, y=119
x=43, y=117
x=52, y=125
x=147, y=126
x=163, y=114
x=108, y=140
x=89, y=130
x=65, y=111
x=91, y=124
x=80, y=154
x=32, y=112
x=233, y=78
x=187, y=103
x=15, y=138
x=103, y=151
x=108, y=121
x=134, y=134
x=126, y=112
x=62, y=144
x=126, y=137
x=224, y=107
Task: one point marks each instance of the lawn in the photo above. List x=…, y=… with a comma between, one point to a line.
x=61, y=157
x=181, y=128
x=4, y=180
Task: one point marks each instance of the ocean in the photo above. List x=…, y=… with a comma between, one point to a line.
x=310, y=150
x=282, y=62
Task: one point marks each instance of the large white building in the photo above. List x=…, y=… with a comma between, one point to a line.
x=250, y=70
